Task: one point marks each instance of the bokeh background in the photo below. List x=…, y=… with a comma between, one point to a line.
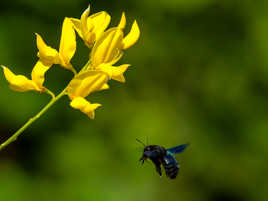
x=199, y=74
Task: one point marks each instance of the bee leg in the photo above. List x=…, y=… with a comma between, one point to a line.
x=157, y=167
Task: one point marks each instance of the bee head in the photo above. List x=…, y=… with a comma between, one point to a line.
x=147, y=153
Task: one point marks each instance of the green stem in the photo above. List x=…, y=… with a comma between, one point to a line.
x=31, y=120
x=85, y=67
x=73, y=70
x=50, y=93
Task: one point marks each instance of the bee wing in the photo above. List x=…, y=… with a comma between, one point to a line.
x=177, y=149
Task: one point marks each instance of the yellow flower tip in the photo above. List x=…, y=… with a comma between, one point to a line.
x=39, y=41
x=118, y=74
x=19, y=82
x=85, y=13
x=104, y=87
x=132, y=37
x=114, y=72
x=8, y=73
x=91, y=109
x=46, y=53
x=85, y=106
x=83, y=20
x=77, y=24
x=122, y=22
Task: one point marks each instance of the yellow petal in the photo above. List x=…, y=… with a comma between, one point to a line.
x=85, y=106
x=87, y=27
x=122, y=22
x=38, y=73
x=46, y=53
x=100, y=20
x=89, y=37
x=117, y=56
x=84, y=17
x=106, y=48
x=132, y=37
x=118, y=72
x=77, y=26
x=83, y=32
x=67, y=42
x=19, y=82
x=115, y=72
x=104, y=87
x=86, y=83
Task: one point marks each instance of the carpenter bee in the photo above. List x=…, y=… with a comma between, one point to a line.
x=159, y=155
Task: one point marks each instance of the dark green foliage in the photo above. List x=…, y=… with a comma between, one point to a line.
x=199, y=74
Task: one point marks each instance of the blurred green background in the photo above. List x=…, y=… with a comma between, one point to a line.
x=199, y=74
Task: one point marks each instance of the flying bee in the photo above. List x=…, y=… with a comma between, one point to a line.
x=159, y=155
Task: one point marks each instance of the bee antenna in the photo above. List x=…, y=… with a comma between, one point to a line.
x=140, y=142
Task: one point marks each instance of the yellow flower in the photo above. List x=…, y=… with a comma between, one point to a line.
x=87, y=82
x=21, y=83
x=38, y=74
x=108, y=48
x=49, y=55
x=84, y=84
x=114, y=72
x=89, y=28
x=85, y=106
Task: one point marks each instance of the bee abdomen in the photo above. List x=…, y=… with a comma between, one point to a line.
x=171, y=170
x=171, y=166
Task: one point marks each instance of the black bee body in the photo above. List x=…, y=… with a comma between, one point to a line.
x=171, y=166
x=159, y=155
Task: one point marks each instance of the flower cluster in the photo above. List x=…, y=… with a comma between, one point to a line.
x=107, y=46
